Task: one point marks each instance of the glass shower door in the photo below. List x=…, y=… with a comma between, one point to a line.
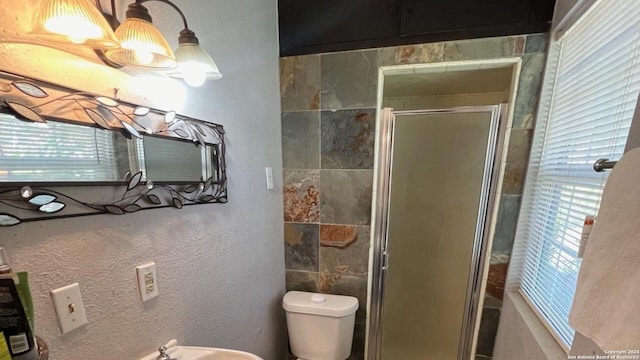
x=438, y=190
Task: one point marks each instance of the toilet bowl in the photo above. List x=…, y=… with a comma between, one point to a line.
x=320, y=325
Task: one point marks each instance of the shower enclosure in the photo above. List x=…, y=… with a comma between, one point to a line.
x=434, y=192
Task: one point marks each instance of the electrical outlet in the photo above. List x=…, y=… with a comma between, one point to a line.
x=67, y=302
x=147, y=281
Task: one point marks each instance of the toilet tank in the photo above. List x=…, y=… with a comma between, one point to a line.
x=320, y=325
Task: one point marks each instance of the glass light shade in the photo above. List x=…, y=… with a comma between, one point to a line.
x=195, y=65
x=73, y=21
x=142, y=45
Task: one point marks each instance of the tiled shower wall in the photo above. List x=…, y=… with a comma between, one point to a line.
x=328, y=125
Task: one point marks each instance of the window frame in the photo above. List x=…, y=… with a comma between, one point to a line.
x=555, y=51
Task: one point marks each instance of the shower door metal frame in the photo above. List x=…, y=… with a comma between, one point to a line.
x=488, y=199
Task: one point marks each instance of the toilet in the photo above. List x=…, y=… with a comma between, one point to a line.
x=320, y=325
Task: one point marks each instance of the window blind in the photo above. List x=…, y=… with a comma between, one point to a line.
x=54, y=151
x=589, y=96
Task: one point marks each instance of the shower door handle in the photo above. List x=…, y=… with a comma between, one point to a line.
x=385, y=261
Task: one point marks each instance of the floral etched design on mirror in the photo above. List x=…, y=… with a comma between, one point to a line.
x=67, y=153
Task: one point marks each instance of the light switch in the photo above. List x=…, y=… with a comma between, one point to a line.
x=147, y=281
x=67, y=301
x=269, y=174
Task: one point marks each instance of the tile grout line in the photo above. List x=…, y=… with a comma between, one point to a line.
x=312, y=169
x=364, y=275
x=330, y=224
x=320, y=191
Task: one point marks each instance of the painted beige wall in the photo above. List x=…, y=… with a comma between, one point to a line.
x=521, y=335
x=562, y=9
x=220, y=267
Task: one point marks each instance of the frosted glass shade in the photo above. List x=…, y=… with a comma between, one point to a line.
x=142, y=45
x=73, y=22
x=195, y=65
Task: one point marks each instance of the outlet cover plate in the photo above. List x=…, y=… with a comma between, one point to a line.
x=147, y=281
x=67, y=301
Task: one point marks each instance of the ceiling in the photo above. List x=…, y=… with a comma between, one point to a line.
x=448, y=82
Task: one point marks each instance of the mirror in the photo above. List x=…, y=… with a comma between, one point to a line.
x=188, y=162
x=53, y=137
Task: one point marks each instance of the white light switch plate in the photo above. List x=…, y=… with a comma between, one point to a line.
x=67, y=302
x=269, y=175
x=147, y=281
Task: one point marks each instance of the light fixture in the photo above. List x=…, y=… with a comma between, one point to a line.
x=141, y=43
x=195, y=65
x=73, y=21
x=136, y=41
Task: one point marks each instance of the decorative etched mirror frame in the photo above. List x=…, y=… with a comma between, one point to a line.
x=39, y=102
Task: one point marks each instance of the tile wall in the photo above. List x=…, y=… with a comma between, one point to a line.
x=328, y=125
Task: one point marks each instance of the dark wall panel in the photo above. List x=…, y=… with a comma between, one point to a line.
x=316, y=26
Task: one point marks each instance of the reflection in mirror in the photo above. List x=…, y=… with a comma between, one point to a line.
x=54, y=152
x=60, y=152
x=171, y=160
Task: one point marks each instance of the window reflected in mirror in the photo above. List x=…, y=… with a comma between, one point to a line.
x=56, y=152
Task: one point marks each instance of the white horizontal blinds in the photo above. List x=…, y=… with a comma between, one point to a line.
x=590, y=107
x=54, y=151
x=546, y=98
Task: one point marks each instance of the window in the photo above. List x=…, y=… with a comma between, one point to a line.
x=55, y=151
x=589, y=96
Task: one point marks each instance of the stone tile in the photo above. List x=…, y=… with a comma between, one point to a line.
x=528, y=90
x=300, y=82
x=338, y=236
x=488, y=331
x=346, y=196
x=301, y=196
x=348, y=138
x=357, y=347
x=302, y=281
x=496, y=281
x=476, y=49
x=519, y=46
x=349, y=79
x=517, y=161
x=354, y=255
x=339, y=284
x=536, y=43
x=301, y=246
x=301, y=140
x=506, y=224
x=411, y=54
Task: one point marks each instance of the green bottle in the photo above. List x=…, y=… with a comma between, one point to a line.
x=4, y=348
x=14, y=322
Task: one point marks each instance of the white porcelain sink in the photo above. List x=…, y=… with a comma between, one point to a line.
x=201, y=353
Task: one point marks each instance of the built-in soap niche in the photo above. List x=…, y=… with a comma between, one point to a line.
x=66, y=153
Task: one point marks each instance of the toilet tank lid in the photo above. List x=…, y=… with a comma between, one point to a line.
x=319, y=304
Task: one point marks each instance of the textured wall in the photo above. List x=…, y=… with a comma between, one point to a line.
x=220, y=267
x=328, y=121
